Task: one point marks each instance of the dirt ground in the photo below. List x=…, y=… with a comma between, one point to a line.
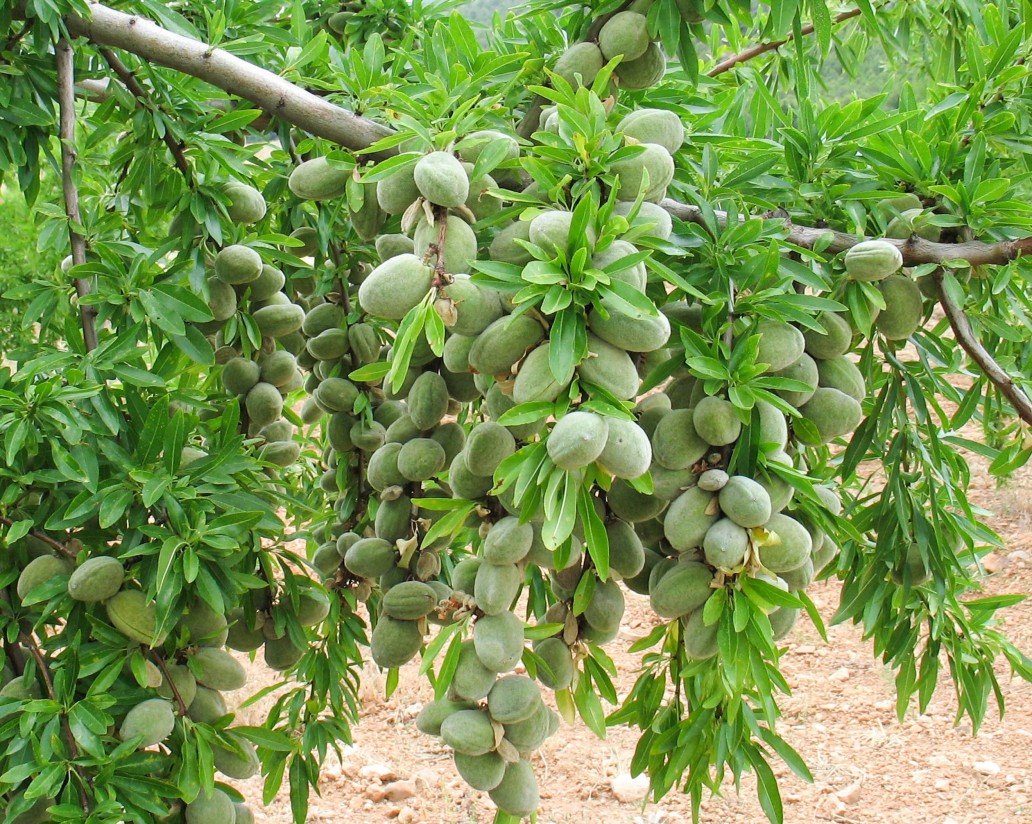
x=867, y=766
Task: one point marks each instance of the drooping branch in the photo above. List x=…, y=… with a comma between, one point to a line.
x=66, y=100
x=762, y=48
x=966, y=337
x=914, y=249
x=133, y=85
x=267, y=90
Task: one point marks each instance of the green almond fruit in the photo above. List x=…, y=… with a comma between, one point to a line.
x=264, y=404
x=513, y=698
x=239, y=375
x=872, y=260
x=281, y=653
x=579, y=64
x=460, y=247
x=409, y=600
x=316, y=179
x=469, y=732
x=153, y=720
x=716, y=422
x=208, y=706
x=440, y=178
x=238, y=264
x=644, y=72
x=682, y=589
x=626, y=35
x=132, y=614
x=517, y=794
x=577, y=440
x=498, y=641
x=745, y=502
x=481, y=772
x=39, y=571
x=394, y=643
x=236, y=758
x=627, y=452
x=396, y=192
x=205, y=626
x=433, y=714
x=904, y=307
x=246, y=204
x=781, y=344
x=210, y=808
x=395, y=286
x=217, y=669
x=184, y=681
x=279, y=320
x=658, y=126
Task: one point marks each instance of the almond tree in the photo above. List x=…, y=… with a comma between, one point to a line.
x=378, y=336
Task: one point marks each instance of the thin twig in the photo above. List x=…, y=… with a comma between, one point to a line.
x=29, y=642
x=15, y=38
x=144, y=99
x=160, y=662
x=763, y=48
x=966, y=337
x=66, y=97
x=44, y=538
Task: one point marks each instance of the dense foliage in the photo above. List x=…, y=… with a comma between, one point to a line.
x=614, y=302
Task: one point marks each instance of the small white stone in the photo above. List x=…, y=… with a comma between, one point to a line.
x=399, y=790
x=850, y=794
x=839, y=675
x=987, y=767
x=628, y=789
x=377, y=772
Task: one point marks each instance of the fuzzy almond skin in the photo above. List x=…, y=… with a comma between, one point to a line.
x=577, y=440
x=395, y=286
x=440, y=178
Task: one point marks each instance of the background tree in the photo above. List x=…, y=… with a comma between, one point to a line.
x=342, y=277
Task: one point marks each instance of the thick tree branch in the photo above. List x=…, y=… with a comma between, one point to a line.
x=966, y=337
x=269, y=91
x=133, y=85
x=309, y=112
x=66, y=99
x=763, y=48
x=914, y=249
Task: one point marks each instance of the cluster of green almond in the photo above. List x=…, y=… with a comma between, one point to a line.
x=626, y=36
x=492, y=719
x=185, y=675
x=240, y=281
x=880, y=262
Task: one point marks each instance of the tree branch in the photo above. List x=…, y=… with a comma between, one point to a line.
x=66, y=100
x=965, y=336
x=763, y=48
x=271, y=92
x=914, y=249
x=137, y=91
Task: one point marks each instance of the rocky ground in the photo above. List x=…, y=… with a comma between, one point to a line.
x=868, y=767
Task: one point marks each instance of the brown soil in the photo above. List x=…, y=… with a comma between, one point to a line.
x=867, y=766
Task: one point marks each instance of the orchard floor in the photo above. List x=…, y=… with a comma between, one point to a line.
x=867, y=766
